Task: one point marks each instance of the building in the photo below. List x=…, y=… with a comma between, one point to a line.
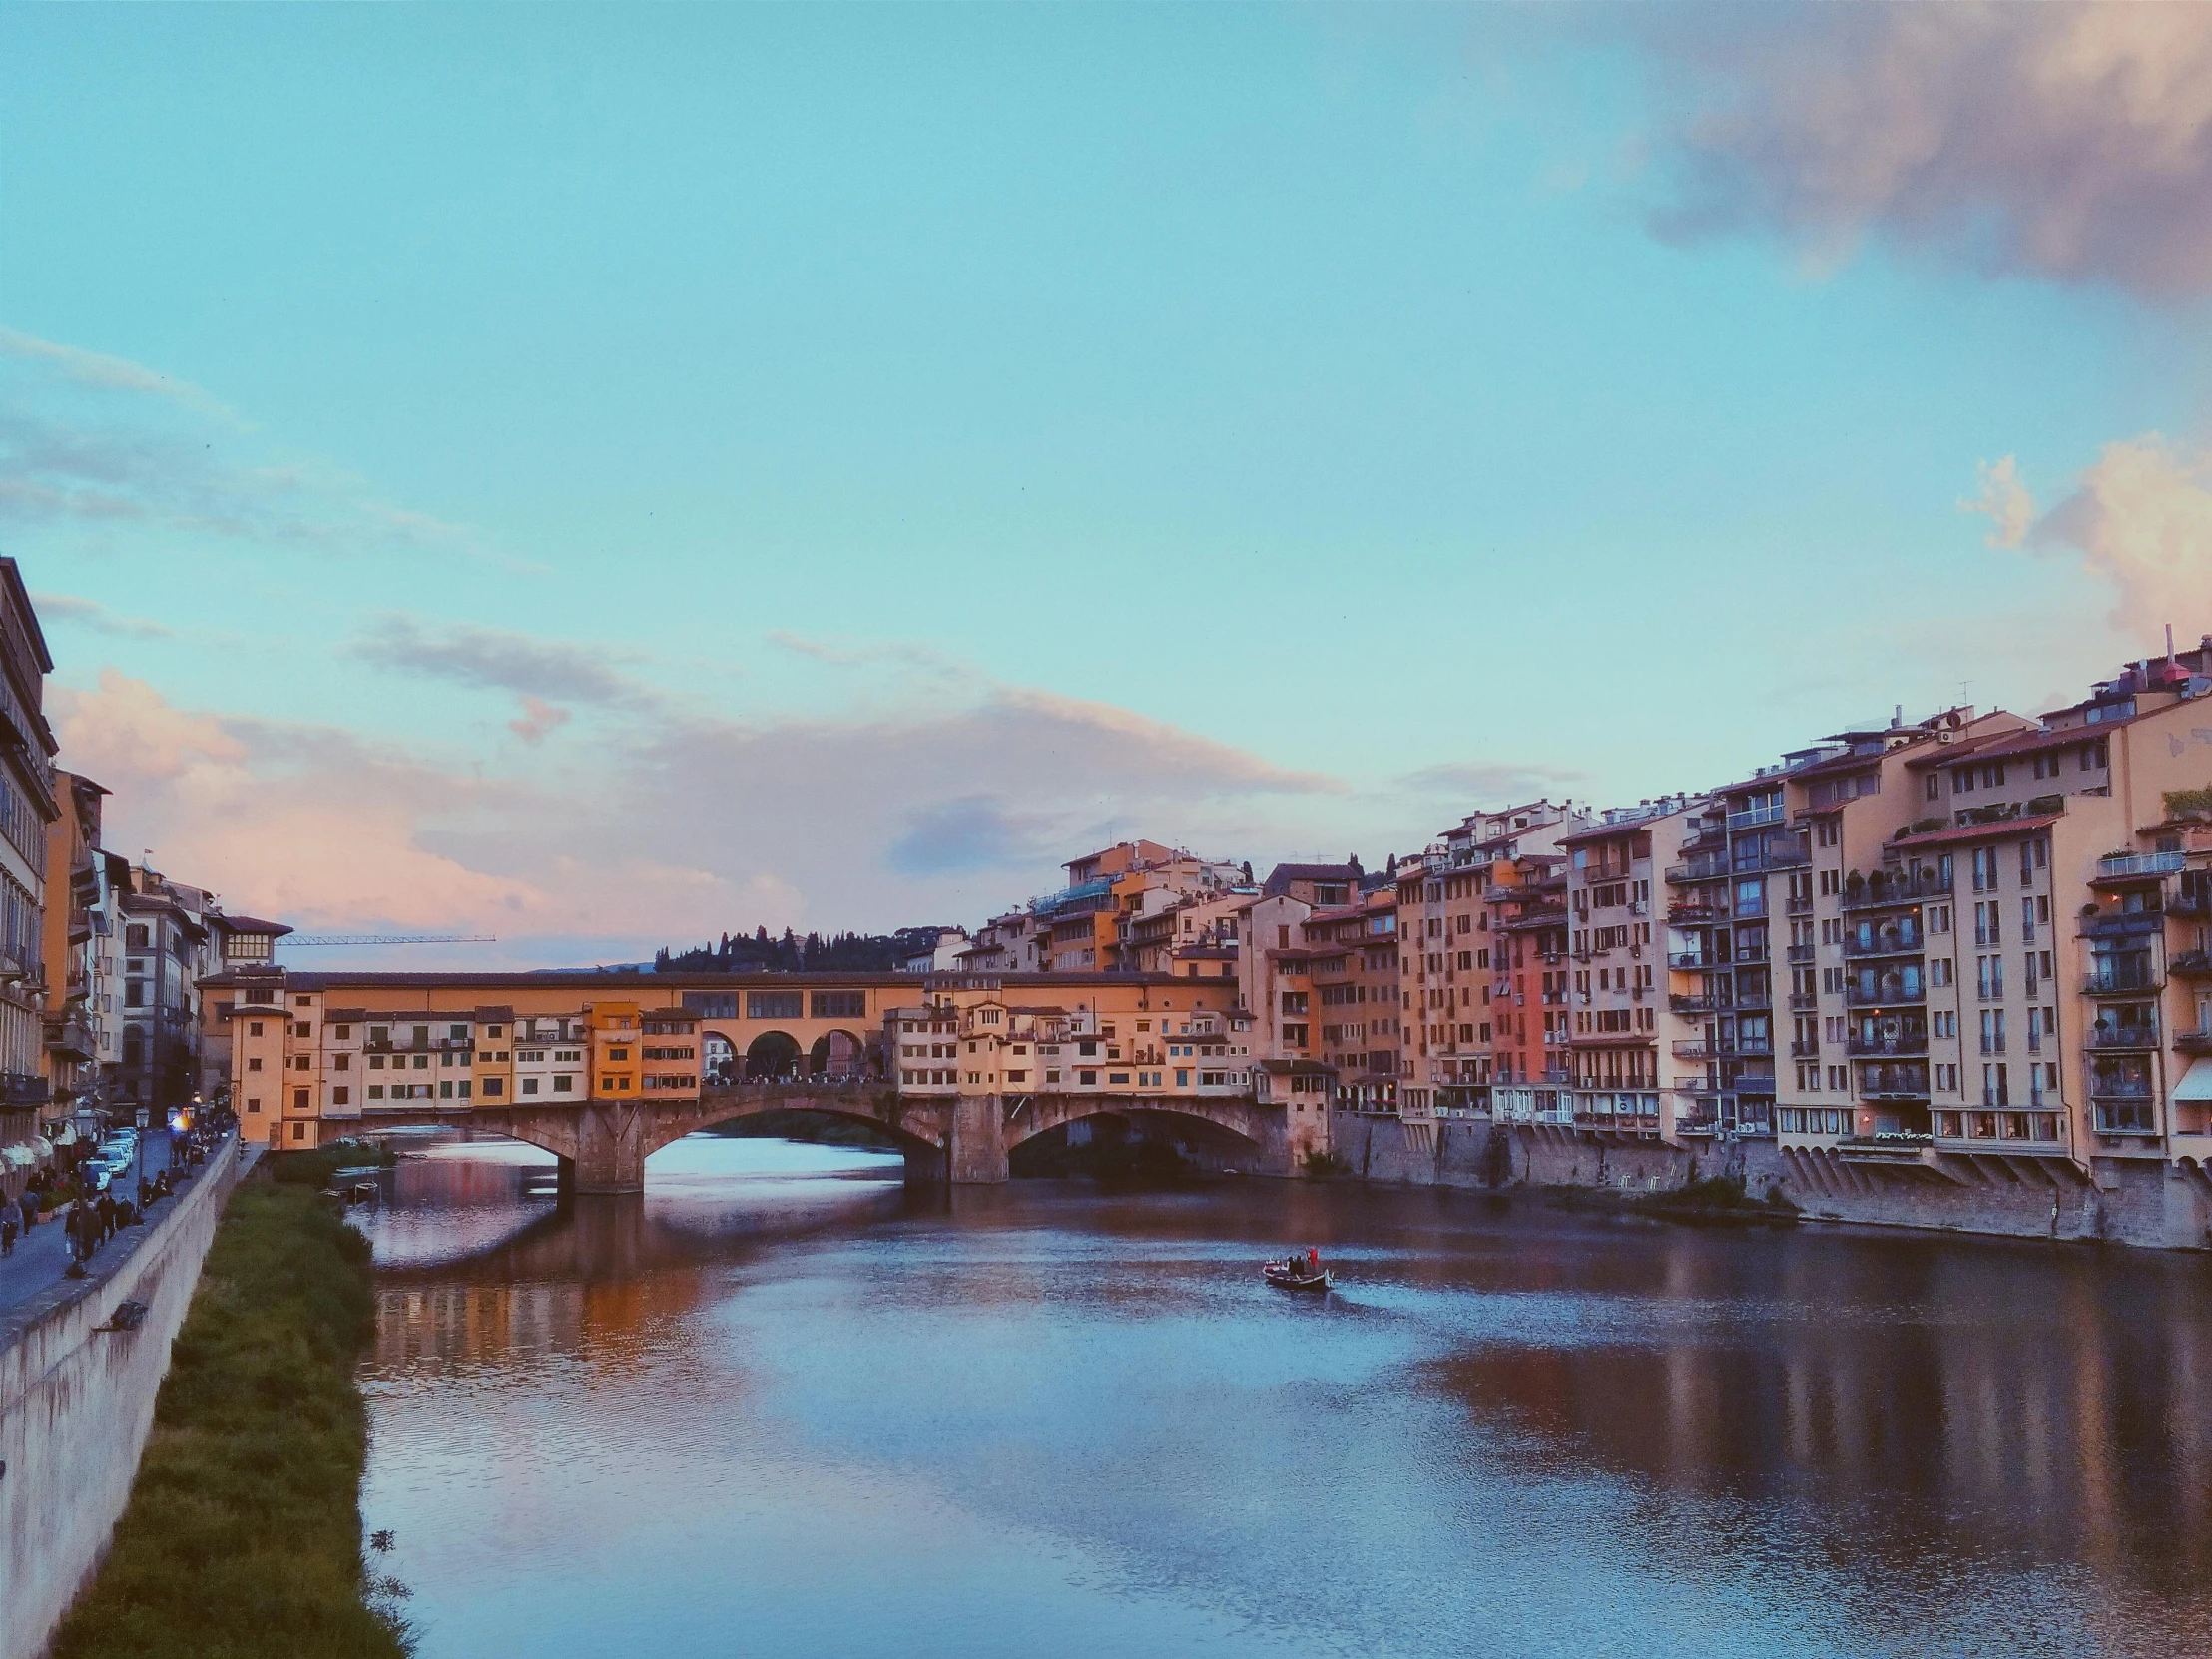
x=28, y=811
x=76, y=938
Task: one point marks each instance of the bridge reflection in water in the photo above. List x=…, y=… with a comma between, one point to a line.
x=675, y=1422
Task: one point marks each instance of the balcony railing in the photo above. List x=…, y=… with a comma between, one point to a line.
x=2194, y=1042
x=1888, y=942
x=1888, y=995
x=1905, y=888
x=2128, y=982
x=1915, y=1042
x=1701, y=870
x=1754, y=817
x=1801, y=1001
x=22, y=1089
x=1805, y=1048
x=2129, y=867
x=1797, y=955
x=2139, y=1034
x=1693, y=914
x=2119, y=1088
x=2191, y=964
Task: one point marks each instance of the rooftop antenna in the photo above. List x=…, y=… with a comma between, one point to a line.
x=2169, y=645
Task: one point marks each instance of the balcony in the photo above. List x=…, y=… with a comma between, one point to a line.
x=2138, y=867
x=1873, y=1048
x=1805, y=1048
x=1892, y=1084
x=1681, y=876
x=1692, y=962
x=2191, y=964
x=2194, y=1043
x=71, y=1039
x=1889, y=942
x=1804, y=1001
x=1723, y=1048
x=1754, y=1082
x=1797, y=955
x=2122, y=982
x=1702, y=1004
x=21, y=1089
x=2133, y=1036
x=1697, y=913
x=1890, y=892
x=1888, y=993
x=1799, y=905
x=2119, y=1089
x=1755, y=818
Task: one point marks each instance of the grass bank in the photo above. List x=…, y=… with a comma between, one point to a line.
x=242, y=1536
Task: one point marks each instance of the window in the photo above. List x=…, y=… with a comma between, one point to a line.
x=253, y=1104
x=774, y=1005
x=564, y=1084
x=1934, y=787
x=840, y=1004
x=299, y=1131
x=254, y=1063
x=301, y=1098
x=253, y=1028
x=495, y=1086
x=339, y=1096
x=529, y=1085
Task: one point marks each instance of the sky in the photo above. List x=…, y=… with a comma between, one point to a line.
x=607, y=476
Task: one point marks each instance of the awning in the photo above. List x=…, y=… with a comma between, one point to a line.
x=19, y=1156
x=2196, y=1084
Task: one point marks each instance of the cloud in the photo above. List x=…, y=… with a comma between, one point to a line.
x=2004, y=501
x=868, y=822
x=104, y=374
x=495, y=656
x=538, y=719
x=2069, y=143
x=90, y=614
x=2141, y=517
x=975, y=832
x=101, y=447
x=1489, y=782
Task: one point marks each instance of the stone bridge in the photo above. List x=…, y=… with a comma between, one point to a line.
x=602, y=1145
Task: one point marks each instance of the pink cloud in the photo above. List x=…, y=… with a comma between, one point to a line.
x=538, y=719
x=2065, y=142
x=2141, y=519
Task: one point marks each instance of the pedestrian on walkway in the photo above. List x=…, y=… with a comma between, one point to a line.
x=104, y=1208
x=29, y=1207
x=7, y=1230
x=74, y=1224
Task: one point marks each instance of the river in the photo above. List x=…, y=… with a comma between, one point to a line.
x=783, y=1407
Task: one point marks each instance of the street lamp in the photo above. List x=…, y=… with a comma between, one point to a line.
x=138, y=1189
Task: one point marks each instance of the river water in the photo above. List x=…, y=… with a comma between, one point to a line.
x=780, y=1407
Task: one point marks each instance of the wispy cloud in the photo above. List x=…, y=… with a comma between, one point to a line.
x=95, y=617
x=104, y=374
x=1483, y=784
x=507, y=661
x=2069, y=143
x=96, y=446
x=972, y=833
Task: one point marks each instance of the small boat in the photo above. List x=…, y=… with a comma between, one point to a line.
x=1299, y=1277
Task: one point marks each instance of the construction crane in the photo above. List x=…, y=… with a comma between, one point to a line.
x=313, y=941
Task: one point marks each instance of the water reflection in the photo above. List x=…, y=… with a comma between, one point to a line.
x=1045, y=1417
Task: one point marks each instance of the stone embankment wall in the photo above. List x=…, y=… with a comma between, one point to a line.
x=77, y=1400
x=2121, y=1201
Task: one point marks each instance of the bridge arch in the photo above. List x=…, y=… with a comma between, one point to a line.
x=718, y=1059
x=838, y=1058
x=771, y=1056
x=1234, y=1132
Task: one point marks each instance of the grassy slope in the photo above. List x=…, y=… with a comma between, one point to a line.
x=243, y=1534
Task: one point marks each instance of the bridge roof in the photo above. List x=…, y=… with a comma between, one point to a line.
x=641, y=986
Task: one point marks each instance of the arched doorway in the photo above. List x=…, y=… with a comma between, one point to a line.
x=773, y=1056
x=718, y=1059
x=838, y=1058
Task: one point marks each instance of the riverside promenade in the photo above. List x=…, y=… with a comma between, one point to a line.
x=79, y=1372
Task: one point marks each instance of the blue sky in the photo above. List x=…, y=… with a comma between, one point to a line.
x=618, y=472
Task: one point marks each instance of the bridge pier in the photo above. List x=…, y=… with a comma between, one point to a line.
x=610, y=1148
x=978, y=1147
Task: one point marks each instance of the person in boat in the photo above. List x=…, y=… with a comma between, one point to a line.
x=1313, y=1259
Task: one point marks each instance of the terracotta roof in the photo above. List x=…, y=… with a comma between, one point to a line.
x=1977, y=832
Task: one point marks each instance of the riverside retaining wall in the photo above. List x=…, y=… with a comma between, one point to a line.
x=77, y=1402
x=2132, y=1200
